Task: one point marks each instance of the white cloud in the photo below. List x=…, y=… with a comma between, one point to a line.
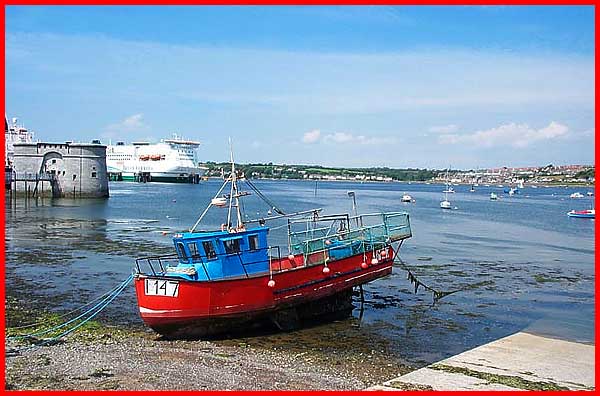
x=343, y=138
x=515, y=135
x=311, y=137
x=132, y=123
x=442, y=129
x=340, y=137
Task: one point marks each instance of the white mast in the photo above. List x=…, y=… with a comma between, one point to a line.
x=234, y=193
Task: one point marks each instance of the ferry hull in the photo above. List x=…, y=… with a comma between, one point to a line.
x=205, y=308
x=192, y=176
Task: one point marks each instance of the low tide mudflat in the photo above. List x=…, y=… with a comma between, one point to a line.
x=519, y=264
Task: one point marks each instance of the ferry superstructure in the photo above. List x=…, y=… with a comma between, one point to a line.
x=171, y=160
x=14, y=133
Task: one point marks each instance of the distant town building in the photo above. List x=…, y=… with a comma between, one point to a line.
x=68, y=169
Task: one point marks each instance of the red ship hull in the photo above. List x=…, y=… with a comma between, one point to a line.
x=208, y=307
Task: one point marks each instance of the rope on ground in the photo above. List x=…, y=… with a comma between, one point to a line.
x=66, y=314
x=85, y=317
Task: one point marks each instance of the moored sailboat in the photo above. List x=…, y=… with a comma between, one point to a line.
x=445, y=204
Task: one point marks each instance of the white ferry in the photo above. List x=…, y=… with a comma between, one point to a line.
x=171, y=160
x=14, y=133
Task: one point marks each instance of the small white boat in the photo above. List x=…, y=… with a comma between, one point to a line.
x=493, y=196
x=406, y=198
x=589, y=193
x=445, y=204
x=576, y=195
x=583, y=214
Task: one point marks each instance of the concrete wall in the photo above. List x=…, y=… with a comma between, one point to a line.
x=80, y=168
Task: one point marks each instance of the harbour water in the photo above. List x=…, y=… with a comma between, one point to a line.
x=519, y=263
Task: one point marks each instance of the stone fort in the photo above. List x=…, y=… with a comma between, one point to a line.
x=74, y=170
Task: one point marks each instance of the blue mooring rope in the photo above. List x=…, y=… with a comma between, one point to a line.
x=93, y=312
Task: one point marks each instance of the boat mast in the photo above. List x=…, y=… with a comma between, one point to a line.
x=447, y=187
x=234, y=193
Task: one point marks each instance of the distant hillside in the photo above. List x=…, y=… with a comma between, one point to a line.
x=276, y=171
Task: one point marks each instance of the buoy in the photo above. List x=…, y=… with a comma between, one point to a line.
x=364, y=265
x=164, y=232
x=271, y=283
x=326, y=270
x=291, y=257
x=374, y=261
x=327, y=242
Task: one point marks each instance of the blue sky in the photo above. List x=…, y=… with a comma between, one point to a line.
x=341, y=86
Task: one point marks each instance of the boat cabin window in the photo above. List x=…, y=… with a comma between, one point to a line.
x=232, y=246
x=181, y=251
x=253, y=242
x=194, y=250
x=209, y=249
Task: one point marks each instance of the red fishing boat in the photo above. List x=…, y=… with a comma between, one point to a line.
x=233, y=278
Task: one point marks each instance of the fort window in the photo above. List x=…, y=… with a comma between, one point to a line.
x=74, y=177
x=54, y=161
x=94, y=174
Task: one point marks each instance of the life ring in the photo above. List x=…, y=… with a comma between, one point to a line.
x=223, y=227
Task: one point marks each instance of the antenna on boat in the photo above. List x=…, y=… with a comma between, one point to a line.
x=234, y=192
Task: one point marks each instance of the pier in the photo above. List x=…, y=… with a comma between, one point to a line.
x=32, y=184
x=521, y=361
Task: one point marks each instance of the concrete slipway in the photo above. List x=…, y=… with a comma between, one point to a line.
x=519, y=361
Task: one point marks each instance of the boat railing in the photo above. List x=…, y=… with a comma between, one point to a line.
x=393, y=226
x=157, y=262
x=272, y=257
x=158, y=265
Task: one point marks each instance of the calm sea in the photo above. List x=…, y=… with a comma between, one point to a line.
x=519, y=263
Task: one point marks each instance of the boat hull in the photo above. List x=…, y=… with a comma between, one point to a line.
x=211, y=307
x=582, y=215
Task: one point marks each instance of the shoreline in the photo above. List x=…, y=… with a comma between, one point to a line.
x=102, y=356
x=538, y=185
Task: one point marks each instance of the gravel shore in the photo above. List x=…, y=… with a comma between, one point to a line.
x=118, y=360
